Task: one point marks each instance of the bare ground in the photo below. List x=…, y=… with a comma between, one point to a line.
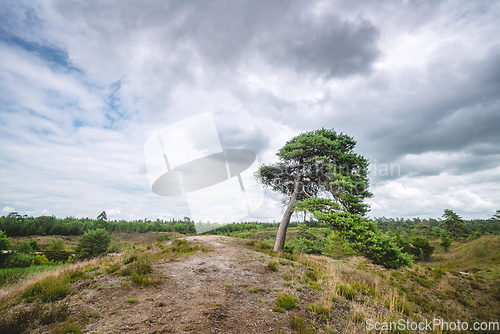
x=202, y=293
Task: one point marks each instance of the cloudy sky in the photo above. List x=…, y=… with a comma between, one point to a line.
x=83, y=85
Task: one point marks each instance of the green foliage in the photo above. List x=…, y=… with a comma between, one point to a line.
x=309, y=240
x=130, y=259
x=163, y=237
x=421, y=248
x=132, y=300
x=73, y=276
x=338, y=247
x=5, y=242
x=285, y=301
x=143, y=279
x=362, y=235
x=116, y=245
x=321, y=310
x=25, y=247
x=445, y=241
x=56, y=245
x=112, y=268
x=19, y=260
x=273, y=265
x=454, y=224
x=140, y=267
x=12, y=275
x=324, y=161
x=93, y=243
x=69, y=328
x=48, y=290
x=299, y=325
x=346, y=291
x=16, y=225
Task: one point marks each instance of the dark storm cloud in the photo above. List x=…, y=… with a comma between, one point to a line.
x=225, y=33
x=461, y=112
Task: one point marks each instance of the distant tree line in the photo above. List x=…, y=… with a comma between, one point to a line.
x=451, y=224
x=15, y=225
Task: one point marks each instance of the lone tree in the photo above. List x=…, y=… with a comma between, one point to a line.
x=318, y=163
x=93, y=243
x=454, y=224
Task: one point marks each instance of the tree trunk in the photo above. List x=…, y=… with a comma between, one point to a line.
x=280, y=238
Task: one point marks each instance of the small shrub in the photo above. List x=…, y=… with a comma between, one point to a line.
x=162, y=238
x=345, y=291
x=321, y=310
x=55, y=314
x=138, y=267
x=48, y=290
x=19, y=260
x=143, y=280
x=69, y=328
x=254, y=290
x=56, y=245
x=287, y=277
x=299, y=325
x=264, y=245
x=363, y=289
x=73, y=276
x=19, y=320
x=130, y=259
x=285, y=301
x=131, y=300
x=113, y=268
x=273, y=265
x=93, y=243
x=312, y=275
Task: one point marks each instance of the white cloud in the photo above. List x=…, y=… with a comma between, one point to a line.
x=8, y=209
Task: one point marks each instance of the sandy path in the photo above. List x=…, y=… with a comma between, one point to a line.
x=204, y=293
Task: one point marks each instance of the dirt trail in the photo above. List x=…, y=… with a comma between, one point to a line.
x=204, y=293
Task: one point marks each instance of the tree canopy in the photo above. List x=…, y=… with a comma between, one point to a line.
x=318, y=163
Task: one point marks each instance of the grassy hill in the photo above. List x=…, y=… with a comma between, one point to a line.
x=207, y=284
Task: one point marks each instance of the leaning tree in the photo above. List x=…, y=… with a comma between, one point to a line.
x=318, y=163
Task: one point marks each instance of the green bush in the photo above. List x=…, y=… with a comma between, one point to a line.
x=74, y=276
x=130, y=259
x=19, y=320
x=345, y=291
x=364, y=237
x=163, y=237
x=141, y=267
x=48, y=290
x=56, y=245
x=421, y=248
x=93, y=243
x=312, y=275
x=273, y=265
x=285, y=301
x=143, y=280
x=113, y=268
x=19, y=260
x=69, y=328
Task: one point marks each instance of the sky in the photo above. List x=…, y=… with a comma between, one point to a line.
x=83, y=85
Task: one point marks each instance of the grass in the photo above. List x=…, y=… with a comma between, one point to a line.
x=48, y=290
x=25, y=317
x=69, y=328
x=143, y=280
x=285, y=301
x=131, y=300
x=299, y=325
x=273, y=265
x=13, y=275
